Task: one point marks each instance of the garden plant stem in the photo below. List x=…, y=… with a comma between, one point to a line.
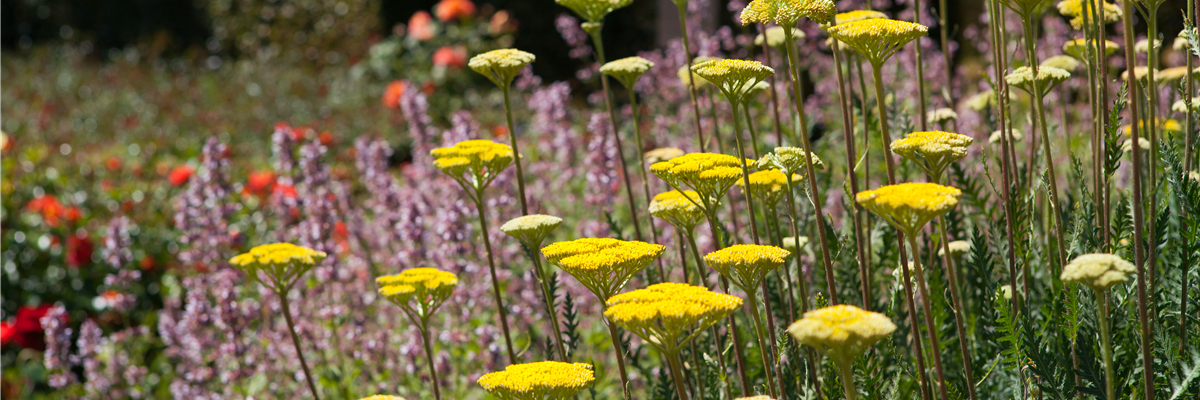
x=512, y=135
x=764, y=349
x=737, y=135
x=287, y=316
x=620, y=350
x=700, y=276
x=550, y=309
x=856, y=209
x=691, y=83
x=637, y=135
x=437, y=389
x=480, y=205
x=1187, y=151
x=733, y=330
x=1008, y=160
x=612, y=118
x=922, y=106
x=762, y=28
x=1040, y=109
x=676, y=366
x=932, y=327
x=1106, y=346
x=958, y=307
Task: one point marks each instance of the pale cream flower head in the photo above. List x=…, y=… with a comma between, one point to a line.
x=1170, y=75
x=787, y=12
x=1063, y=62
x=792, y=243
x=545, y=380
x=1180, y=106
x=789, y=160
x=501, y=66
x=909, y=206
x=1180, y=44
x=941, y=115
x=775, y=36
x=1098, y=271
x=1143, y=46
x=1047, y=79
x=627, y=70
x=957, y=248
x=1127, y=146
x=1006, y=292
x=663, y=154
x=531, y=230
x=593, y=11
x=934, y=150
x=842, y=332
x=1025, y=8
x=1141, y=73
x=733, y=77
x=1078, y=48
x=680, y=209
x=982, y=101
x=996, y=135
x=877, y=39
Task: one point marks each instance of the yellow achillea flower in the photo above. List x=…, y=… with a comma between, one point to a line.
x=593, y=11
x=1048, y=78
x=789, y=160
x=686, y=75
x=1169, y=125
x=532, y=229
x=546, y=380
x=419, y=291
x=709, y=174
x=787, y=12
x=1075, y=10
x=1170, y=75
x=1098, y=271
x=877, y=39
x=1066, y=63
x=842, y=332
x=733, y=77
x=747, y=264
x=473, y=163
x=1078, y=48
x=933, y=151
x=661, y=314
x=501, y=66
x=283, y=263
x=680, y=209
x=663, y=154
x=382, y=397
x=603, y=266
x=769, y=186
x=909, y=206
x=627, y=70
x=857, y=15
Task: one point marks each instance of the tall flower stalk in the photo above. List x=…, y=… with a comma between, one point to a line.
x=531, y=230
x=682, y=5
x=501, y=67
x=420, y=292
x=1101, y=272
x=843, y=333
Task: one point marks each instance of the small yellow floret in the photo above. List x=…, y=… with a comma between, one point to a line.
x=1075, y=9
x=709, y=174
x=769, y=186
x=857, y=15
x=909, y=206
x=1098, y=271
x=546, y=380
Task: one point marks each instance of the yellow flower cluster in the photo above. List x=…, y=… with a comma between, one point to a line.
x=1078, y=48
x=603, y=266
x=546, y=380
x=877, y=39
x=909, y=206
x=593, y=11
x=532, y=229
x=746, y=264
x=1098, y=271
x=680, y=209
x=661, y=313
x=627, y=70
x=1048, y=78
x=733, y=77
x=789, y=160
x=1075, y=10
x=843, y=332
x=473, y=163
x=1170, y=75
x=857, y=15
x=686, y=75
x=1168, y=125
x=788, y=12
x=933, y=150
x=283, y=263
x=709, y=174
x=429, y=287
x=769, y=186
x=501, y=66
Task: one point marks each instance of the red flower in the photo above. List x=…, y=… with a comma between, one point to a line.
x=450, y=57
x=260, y=183
x=79, y=250
x=7, y=331
x=27, y=328
x=499, y=131
x=421, y=27
x=448, y=10
x=112, y=163
x=326, y=138
x=147, y=263
x=287, y=191
x=180, y=175
x=73, y=214
x=49, y=207
x=341, y=235
x=391, y=94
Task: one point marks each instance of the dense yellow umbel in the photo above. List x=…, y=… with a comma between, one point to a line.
x=680, y=209
x=1075, y=10
x=473, y=163
x=1098, y=271
x=709, y=174
x=843, y=332
x=546, y=380
x=603, y=266
x=501, y=66
x=933, y=150
x=787, y=12
x=747, y=264
x=877, y=39
x=789, y=160
x=857, y=15
x=909, y=206
x=419, y=291
x=593, y=11
x=769, y=186
x=282, y=263
x=734, y=78
x=661, y=314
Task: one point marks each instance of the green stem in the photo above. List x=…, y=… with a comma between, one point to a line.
x=637, y=135
x=1040, y=109
x=753, y=132
x=1152, y=55
x=691, y=84
x=1106, y=347
x=480, y=205
x=437, y=389
x=847, y=371
x=1007, y=162
x=676, y=365
x=512, y=135
x=287, y=316
x=700, y=277
x=787, y=274
x=733, y=330
x=952, y=270
x=856, y=209
x=760, y=333
x=921, y=103
x=737, y=135
x=929, y=324
x=620, y=349
x=550, y=309
x=612, y=119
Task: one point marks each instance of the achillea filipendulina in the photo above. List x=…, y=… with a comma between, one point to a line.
x=843, y=332
x=1016, y=136
x=1006, y=292
x=1048, y=78
x=909, y=206
x=1168, y=125
x=1075, y=10
x=1170, y=75
x=420, y=291
x=281, y=262
x=769, y=186
x=797, y=242
x=501, y=66
x=941, y=115
x=857, y=15
x=1127, y=146
x=747, y=264
x=661, y=314
x=877, y=39
x=789, y=160
x=733, y=77
x=1098, y=271
x=1065, y=63
x=1078, y=48
x=788, y=12
x=1180, y=106
x=593, y=10
x=473, y=163
x=546, y=380
x=532, y=229
x=663, y=154
x=627, y=70
x=685, y=74
x=676, y=208
x=604, y=266
x=934, y=150
x=709, y=174
x=957, y=248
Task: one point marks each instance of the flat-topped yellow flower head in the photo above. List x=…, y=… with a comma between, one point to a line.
x=789, y=160
x=661, y=314
x=473, y=163
x=546, y=380
x=1141, y=73
x=1098, y=271
x=419, y=291
x=1048, y=78
x=1078, y=48
x=747, y=264
x=680, y=209
x=787, y=12
x=709, y=174
x=1171, y=75
x=532, y=229
x=281, y=262
x=663, y=154
x=603, y=266
x=733, y=77
x=501, y=66
x=933, y=150
x=843, y=332
x=877, y=39
x=792, y=243
x=627, y=70
x=593, y=11
x=769, y=186
x=1075, y=10
x=909, y=206
x=857, y=15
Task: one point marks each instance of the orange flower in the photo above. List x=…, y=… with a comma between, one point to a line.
x=180, y=175
x=499, y=131
x=448, y=10
x=49, y=207
x=421, y=27
x=502, y=22
x=326, y=137
x=260, y=183
x=287, y=191
x=113, y=164
x=450, y=57
x=72, y=214
x=147, y=263
x=391, y=94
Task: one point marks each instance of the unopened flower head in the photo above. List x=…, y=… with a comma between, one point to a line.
x=791, y=243
x=933, y=151
x=420, y=291
x=857, y=15
x=1143, y=46
x=843, y=332
x=661, y=314
x=769, y=186
x=789, y=160
x=733, y=77
x=1065, y=63
x=709, y=174
x=957, y=248
x=1078, y=48
x=909, y=206
x=663, y=154
x=473, y=163
x=627, y=70
x=1076, y=9
x=1098, y=271
x=877, y=39
x=680, y=209
x=531, y=230
x=746, y=264
x=941, y=115
x=775, y=36
x=787, y=12
x=996, y=136
x=604, y=266
x=545, y=380
x=501, y=66
x=1048, y=78
x=281, y=262
x=593, y=11
x=1138, y=72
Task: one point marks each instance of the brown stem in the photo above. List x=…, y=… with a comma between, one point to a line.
x=620, y=349
x=612, y=119
x=848, y=136
x=952, y=270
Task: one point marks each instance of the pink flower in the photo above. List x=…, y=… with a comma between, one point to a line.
x=421, y=27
